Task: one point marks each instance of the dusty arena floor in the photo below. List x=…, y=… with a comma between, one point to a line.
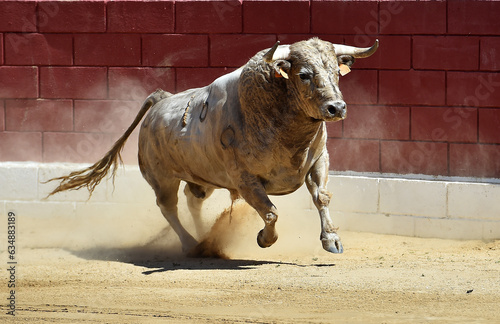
x=378, y=279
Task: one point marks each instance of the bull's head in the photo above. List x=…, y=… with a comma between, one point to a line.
x=312, y=70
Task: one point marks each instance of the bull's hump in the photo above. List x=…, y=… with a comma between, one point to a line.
x=223, y=81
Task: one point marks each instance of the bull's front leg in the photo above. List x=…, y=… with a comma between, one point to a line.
x=252, y=190
x=316, y=182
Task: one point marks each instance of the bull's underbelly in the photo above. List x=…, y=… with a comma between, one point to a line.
x=216, y=168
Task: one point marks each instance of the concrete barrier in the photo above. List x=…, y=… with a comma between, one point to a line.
x=401, y=206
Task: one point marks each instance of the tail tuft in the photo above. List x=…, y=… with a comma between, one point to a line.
x=92, y=176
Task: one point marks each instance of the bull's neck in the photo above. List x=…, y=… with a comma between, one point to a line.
x=279, y=122
x=270, y=113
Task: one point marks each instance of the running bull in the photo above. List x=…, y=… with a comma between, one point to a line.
x=257, y=131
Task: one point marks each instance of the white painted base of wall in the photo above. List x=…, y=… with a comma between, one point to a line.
x=410, y=207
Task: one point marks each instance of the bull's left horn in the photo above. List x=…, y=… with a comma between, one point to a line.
x=356, y=52
x=277, y=53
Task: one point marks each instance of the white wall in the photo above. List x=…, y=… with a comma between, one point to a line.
x=411, y=207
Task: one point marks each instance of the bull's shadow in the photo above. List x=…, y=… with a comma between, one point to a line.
x=157, y=260
x=162, y=255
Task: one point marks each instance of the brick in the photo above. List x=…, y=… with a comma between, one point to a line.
x=334, y=129
x=293, y=38
x=413, y=197
x=39, y=115
x=18, y=82
x=2, y=114
x=473, y=17
x=445, y=52
x=236, y=50
x=71, y=17
x=344, y=17
x=354, y=194
x=108, y=49
x=140, y=17
x=444, y=124
x=489, y=126
x=208, y=17
x=20, y=146
x=38, y=49
x=475, y=160
x=394, y=52
x=19, y=182
x=478, y=201
x=193, y=78
x=412, y=87
x=276, y=16
x=377, y=223
x=1, y=49
x=491, y=231
x=414, y=157
x=473, y=89
x=75, y=147
x=175, y=50
x=18, y=16
x=104, y=116
x=359, y=87
x=138, y=83
x=450, y=229
x=73, y=82
x=377, y=122
x=490, y=54
x=411, y=17
x=353, y=155
x=299, y=200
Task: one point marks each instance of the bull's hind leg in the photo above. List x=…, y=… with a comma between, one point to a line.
x=316, y=182
x=196, y=195
x=166, y=199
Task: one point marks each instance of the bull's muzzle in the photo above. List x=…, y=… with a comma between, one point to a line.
x=335, y=110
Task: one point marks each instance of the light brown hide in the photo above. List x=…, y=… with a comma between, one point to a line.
x=252, y=131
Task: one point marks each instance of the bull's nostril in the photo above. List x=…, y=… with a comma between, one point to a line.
x=336, y=108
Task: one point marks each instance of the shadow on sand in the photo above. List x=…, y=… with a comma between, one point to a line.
x=161, y=255
x=155, y=260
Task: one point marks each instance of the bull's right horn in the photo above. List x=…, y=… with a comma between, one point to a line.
x=277, y=53
x=356, y=52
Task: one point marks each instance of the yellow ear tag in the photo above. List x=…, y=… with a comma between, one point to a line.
x=344, y=69
x=283, y=73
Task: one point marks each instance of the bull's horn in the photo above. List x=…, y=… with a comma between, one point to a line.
x=357, y=52
x=277, y=53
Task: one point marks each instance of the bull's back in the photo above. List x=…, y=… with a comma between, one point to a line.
x=180, y=136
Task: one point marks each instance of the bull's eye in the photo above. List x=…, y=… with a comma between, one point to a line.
x=305, y=76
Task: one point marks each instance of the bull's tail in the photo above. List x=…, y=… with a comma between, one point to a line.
x=92, y=176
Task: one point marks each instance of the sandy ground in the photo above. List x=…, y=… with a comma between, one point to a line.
x=378, y=279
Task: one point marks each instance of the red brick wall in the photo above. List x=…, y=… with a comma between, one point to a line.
x=73, y=74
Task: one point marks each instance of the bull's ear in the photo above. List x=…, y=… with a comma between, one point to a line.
x=282, y=68
x=346, y=59
x=345, y=62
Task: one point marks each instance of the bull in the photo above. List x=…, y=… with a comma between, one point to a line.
x=257, y=131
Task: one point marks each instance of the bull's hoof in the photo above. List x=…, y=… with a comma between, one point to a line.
x=332, y=244
x=263, y=243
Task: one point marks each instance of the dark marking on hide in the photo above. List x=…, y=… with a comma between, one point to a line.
x=186, y=111
x=204, y=111
x=227, y=137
